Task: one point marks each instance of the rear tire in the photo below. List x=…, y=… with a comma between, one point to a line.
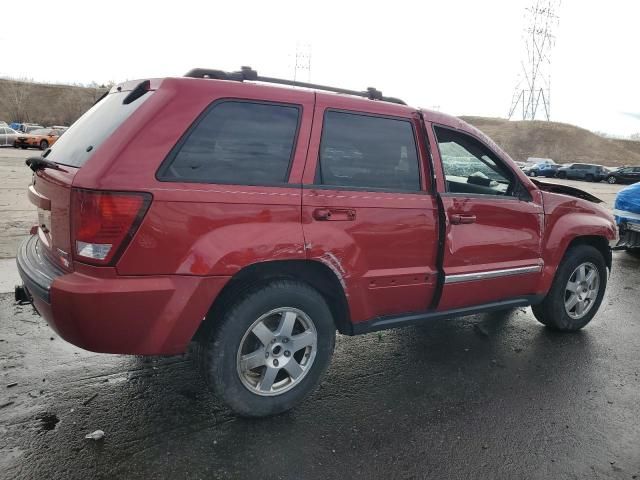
x=24, y=147
x=573, y=286
x=269, y=349
x=44, y=145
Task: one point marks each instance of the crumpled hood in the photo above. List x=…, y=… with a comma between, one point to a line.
x=566, y=190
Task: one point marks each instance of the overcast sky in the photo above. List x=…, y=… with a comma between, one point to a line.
x=463, y=56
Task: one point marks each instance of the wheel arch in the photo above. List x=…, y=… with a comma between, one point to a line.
x=599, y=242
x=315, y=274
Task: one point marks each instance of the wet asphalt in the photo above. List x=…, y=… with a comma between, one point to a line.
x=486, y=396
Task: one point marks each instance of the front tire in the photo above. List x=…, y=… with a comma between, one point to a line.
x=269, y=349
x=576, y=292
x=611, y=179
x=44, y=145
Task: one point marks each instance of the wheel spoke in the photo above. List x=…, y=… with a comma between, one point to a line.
x=590, y=277
x=268, y=377
x=580, y=274
x=592, y=294
x=287, y=322
x=572, y=286
x=571, y=302
x=303, y=340
x=252, y=360
x=293, y=368
x=579, y=308
x=263, y=333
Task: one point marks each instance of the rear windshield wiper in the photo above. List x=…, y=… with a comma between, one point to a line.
x=40, y=163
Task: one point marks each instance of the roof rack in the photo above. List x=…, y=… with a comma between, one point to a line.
x=247, y=73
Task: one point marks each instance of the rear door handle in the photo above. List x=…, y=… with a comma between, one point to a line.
x=458, y=219
x=334, y=214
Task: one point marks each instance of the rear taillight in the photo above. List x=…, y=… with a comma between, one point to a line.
x=103, y=223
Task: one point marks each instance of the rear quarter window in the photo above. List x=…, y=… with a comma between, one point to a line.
x=236, y=142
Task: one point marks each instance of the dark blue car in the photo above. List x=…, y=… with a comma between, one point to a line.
x=541, y=170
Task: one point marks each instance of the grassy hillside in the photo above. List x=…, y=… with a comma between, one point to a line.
x=43, y=103
x=562, y=142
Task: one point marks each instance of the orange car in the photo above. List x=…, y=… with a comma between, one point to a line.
x=41, y=138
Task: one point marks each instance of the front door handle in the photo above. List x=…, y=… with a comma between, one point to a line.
x=458, y=219
x=334, y=214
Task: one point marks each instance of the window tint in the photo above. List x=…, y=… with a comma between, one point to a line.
x=237, y=143
x=367, y=152
x=470, y=167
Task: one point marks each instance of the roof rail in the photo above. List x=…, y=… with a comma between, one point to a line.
x=247, y=73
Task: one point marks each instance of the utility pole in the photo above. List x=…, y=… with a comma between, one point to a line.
x=533, y=91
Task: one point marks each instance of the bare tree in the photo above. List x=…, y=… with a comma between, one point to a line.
x=16, y=95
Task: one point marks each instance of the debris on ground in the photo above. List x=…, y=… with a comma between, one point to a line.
x=13, y=384
x=6, y=404
x=90, y=399
x=97, y=435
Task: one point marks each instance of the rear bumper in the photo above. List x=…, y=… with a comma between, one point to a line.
x=144, y=315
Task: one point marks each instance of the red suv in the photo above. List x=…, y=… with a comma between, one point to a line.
x=253, y=220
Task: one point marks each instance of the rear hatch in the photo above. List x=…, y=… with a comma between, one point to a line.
x=51, y=189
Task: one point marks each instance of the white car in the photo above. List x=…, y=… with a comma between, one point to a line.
x=8, y=136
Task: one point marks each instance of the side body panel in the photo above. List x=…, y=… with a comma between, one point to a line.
x=385, y=252
x=567, y=218
x=504, y=234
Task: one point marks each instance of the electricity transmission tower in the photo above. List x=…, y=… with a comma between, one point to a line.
x=302, y=68
x=532, y=93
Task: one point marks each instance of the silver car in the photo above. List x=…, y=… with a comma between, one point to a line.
x=8, y=136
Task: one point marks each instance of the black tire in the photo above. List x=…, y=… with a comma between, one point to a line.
x=24, y=147
x=634, y=252
x=533, y=174
x=218, y=347
x=44, y=145
x=15, y=145
x=562, y=175
x=590, y=178
x=612, y=179
x=551, y=311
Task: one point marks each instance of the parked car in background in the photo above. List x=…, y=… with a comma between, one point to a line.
x=538, y=161
x=8, y=136
x=3, y=124
x=249, y=235
x=624, y=175
x=541, y=170
x=41, y=138
x=627, y=215
x=582, y=171
x=25, y=127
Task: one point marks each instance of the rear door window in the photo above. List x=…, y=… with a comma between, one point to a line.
x=368, y=152
x=79, y=142
x=236, y=142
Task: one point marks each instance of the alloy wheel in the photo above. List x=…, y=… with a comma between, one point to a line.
x=277, y=351
x=581, y=290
